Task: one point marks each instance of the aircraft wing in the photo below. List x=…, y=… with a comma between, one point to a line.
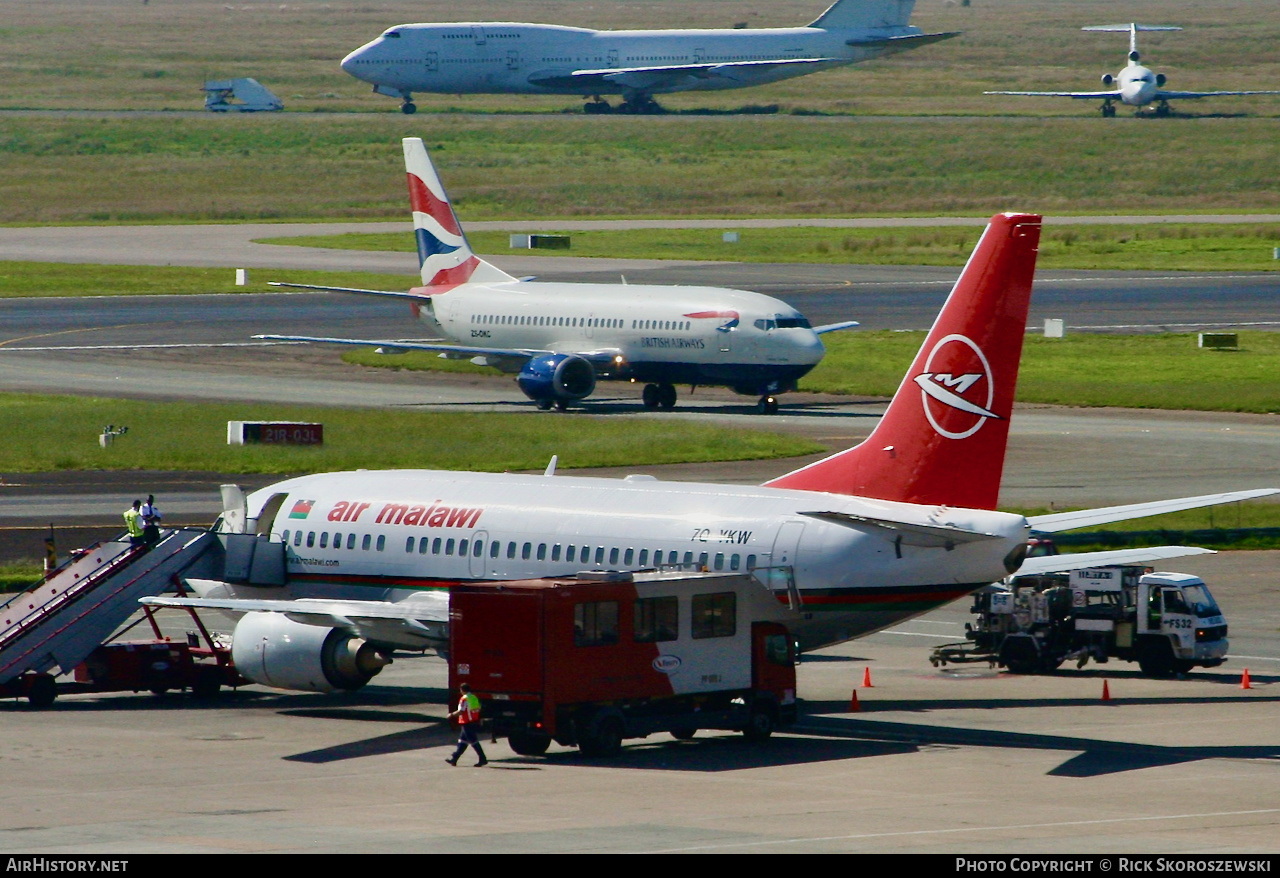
x=670, y=74
x=937, y=536
x=599, y=358
x=417, y=622
x=1080, y=95
x=1174, y=95
x=836, y=327
x=1081, y=560
x=1059, y=521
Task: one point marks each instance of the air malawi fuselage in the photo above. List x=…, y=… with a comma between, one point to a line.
x=382, y=535
x=500, y=57
x=679, y=335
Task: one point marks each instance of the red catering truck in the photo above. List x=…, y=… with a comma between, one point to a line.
x=601, y=657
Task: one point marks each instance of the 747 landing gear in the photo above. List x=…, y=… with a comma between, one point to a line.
x=597, y=105
x=408, y=107
x=768, y=405
x=656, y=395
x=1108, y=110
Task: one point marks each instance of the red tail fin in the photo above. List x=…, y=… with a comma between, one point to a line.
x=942, y=439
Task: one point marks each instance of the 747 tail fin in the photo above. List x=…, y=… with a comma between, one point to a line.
x=942, y=439
x=443, y=252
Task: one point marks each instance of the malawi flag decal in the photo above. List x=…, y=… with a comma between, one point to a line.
x=302, y=508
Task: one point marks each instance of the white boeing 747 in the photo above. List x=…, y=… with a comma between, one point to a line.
x=1135, y=85
x=887, y=530
x=546, y=59
x=560, y=338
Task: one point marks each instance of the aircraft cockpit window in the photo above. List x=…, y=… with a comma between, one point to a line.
x=392, y=35
x=764, y=325
x=796, y=322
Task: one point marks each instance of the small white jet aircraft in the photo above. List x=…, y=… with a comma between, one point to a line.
x=861, y=540
x=1135, y=85
x=562, y=337
x=514, y=58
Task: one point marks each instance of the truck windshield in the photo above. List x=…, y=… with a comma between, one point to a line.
x=1200, y=601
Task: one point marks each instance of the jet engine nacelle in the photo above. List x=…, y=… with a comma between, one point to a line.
x=1108, y=80
x=273, y=650
x=554, y=377
x=1160, y=79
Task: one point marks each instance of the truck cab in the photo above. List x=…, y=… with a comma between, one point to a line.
x=1179, y=626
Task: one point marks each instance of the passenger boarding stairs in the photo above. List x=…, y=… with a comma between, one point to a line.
x=58, y=623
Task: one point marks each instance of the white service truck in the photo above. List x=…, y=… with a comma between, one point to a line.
x=1168, y=623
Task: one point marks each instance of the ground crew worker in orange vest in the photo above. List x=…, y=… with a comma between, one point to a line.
x=468, y=714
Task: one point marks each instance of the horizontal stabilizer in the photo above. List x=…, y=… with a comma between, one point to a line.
x=425, y=607
x=891, y=45
x=1083, y=560
x=1059, y=521
x=394, y=294
x=1078, y=95
x=939, y=536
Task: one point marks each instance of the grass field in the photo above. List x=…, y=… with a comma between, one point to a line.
x=897, y=136
x=192, y=436
x=1174, y=247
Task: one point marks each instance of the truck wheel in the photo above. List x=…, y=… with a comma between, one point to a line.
x=761, y=723
x=207, y=683
x=43, y=691
x=683, y=734
x=1155, y=658
x=608, y=738
x=525, y=744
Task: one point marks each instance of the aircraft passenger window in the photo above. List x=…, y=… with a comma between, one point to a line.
x=702, y=560
x=311, y=538
x=477, y=548
x=569, y=552
x=337, y=541
x=511, y=550
x=599, y=554
x=644, y=557
x=284, y=538
x=629, y=557
x=688, y=557
x=555, y=552
x=733, y=562
x=657, y=619
x=526, y=551
x=719, y=560
x=364, y=544
x=494, y=548
x=751, y=562
x=324, y=540
x=448, y=547
x=435, y=546
x=542, y=551
x=382, y=542
x=715, y=615
x=408, y=545
x=613, y=556
x=351, y=541
x=462, y=548
x=595, y=623
x=423, y=545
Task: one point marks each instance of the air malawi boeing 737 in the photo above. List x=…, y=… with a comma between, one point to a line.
x=513, y=58
x=864, y=539
x=561, y=338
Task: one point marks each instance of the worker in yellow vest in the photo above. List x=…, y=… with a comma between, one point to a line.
x=133, y=521
x=468, y=716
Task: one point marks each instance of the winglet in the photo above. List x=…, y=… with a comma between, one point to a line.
x=443, y=252
x=942, y=439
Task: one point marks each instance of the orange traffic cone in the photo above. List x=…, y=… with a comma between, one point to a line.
x=854, y=706
x=866, y=679
x=1106, y=691
x=1244, y=680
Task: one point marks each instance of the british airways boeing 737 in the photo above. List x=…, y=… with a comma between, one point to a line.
x=514, y=58
x=861, y=540
x=560, y=338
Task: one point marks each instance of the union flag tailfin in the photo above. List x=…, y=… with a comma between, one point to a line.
x=942, y=439
x=443, y=252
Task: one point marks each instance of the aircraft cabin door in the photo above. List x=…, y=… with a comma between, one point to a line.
x=433, y=62
x=611, y=60
x=724, y=338
x=478, y=32
x=479, y=550
x=513, y=59
x=782, y=563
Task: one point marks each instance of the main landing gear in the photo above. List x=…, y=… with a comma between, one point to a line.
x=659, y=395
x=1108, y=110
x=408, y=107
x=768, y=405
x=636, y=105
